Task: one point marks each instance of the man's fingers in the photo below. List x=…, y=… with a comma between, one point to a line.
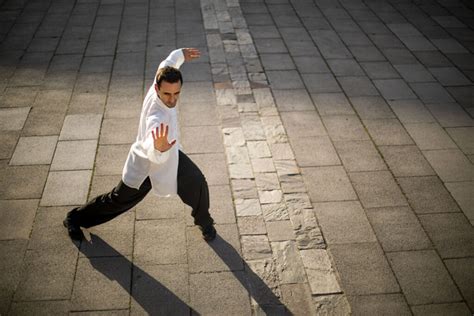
x=153, y=135
x=161, y=130
x=166, y=131
x=173, y=142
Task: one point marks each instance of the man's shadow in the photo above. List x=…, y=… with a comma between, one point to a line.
x=155, y=299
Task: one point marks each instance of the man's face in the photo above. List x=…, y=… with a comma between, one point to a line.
x=168, y=93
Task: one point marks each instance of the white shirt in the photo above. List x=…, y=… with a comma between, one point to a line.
x=143, y=159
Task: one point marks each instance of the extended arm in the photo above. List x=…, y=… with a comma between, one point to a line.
x=177, y=57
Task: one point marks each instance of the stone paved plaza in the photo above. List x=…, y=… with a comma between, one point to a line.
x=337, y=138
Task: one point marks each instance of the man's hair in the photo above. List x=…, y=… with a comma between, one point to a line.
x=168, y=74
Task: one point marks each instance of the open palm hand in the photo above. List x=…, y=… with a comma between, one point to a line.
x=160, y=138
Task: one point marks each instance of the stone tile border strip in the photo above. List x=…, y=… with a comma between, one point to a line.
x=260, y=159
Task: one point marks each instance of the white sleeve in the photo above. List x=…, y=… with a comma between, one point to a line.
x=175, y=59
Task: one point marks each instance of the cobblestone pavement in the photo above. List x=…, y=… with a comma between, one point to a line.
x=337, y=138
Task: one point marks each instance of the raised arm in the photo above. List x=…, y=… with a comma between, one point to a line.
x=177, y=57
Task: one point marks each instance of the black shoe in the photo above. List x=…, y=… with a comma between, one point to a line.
x=73, y=229
x=208, y=232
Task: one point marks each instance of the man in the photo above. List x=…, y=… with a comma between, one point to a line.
x=154, y=161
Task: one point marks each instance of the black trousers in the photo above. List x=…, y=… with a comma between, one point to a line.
x=192, y=189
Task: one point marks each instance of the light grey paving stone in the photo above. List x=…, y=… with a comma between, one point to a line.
x=320, y=83
x=449, y=76
x=269, y=196
x=11, y=265
x=357, y=86
x=255, y=247
x=87, y=103
x=17, y=218
x=464, y=96
x=81, y=126
x=110, y=159
x=332, y=104
x=398, y=229
x=241, y=171
x=387, y=40
x=258, y=149
x=345, y=67
x=448, y=21
x=433, y=58
x=223, y=255
x=423, y=277
x=34, y=150
x=282, y=151
x=387, y=132
x=18, y=96
x=399, y=56
x=234, y=300
x=288, y=261
x=355, y=38
x=328, y=184
x=47, y=275
x=431, y=92
x=359, y=156
x=464, y=138
x=414, y=73
x=244, y=188
x=221, y=207
x=262, y=165
x=118, y=131
x=237, y=154
x=22, y=182
x=160, y=289
x=66, y=188
x=117, y=237
x=429, y=136
x=377, y=189
x=292, y=183
x=74, y=155
x=329, y=44
x=277, y=61
x=405, y=161
x=371, y=108
x=111, y=280
x=321, y=274
x=293, y=100
x=379, y=70
x=41, y=308
x=152, y=242
x=210, y=140
x=450, y=233
x=403, y=29
x=267, y=181
x=427, y=195
x=13, y=119
x=297, y=299
x=450, y=165
x=383, y=304
x=394, y=89
x=366, y=53
x=280, y=230
x=363, y=269
x=152, y=206
x=315, y=151
x=345, y=127
x=411, y=111
x=462, y=193
x=449, y=46
x=251, y=225
x=463, y=273
x=344, y=222
x=8, y=142
x=48, y=232
x=247, y=207
x=303, y=124
x=270, y=45
x=275, y=212
x=44, y=121
x=302, y=48
x=450, y=114
x=441, y=309
x=311, y=64
x=284, y=79
x=417, y=43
